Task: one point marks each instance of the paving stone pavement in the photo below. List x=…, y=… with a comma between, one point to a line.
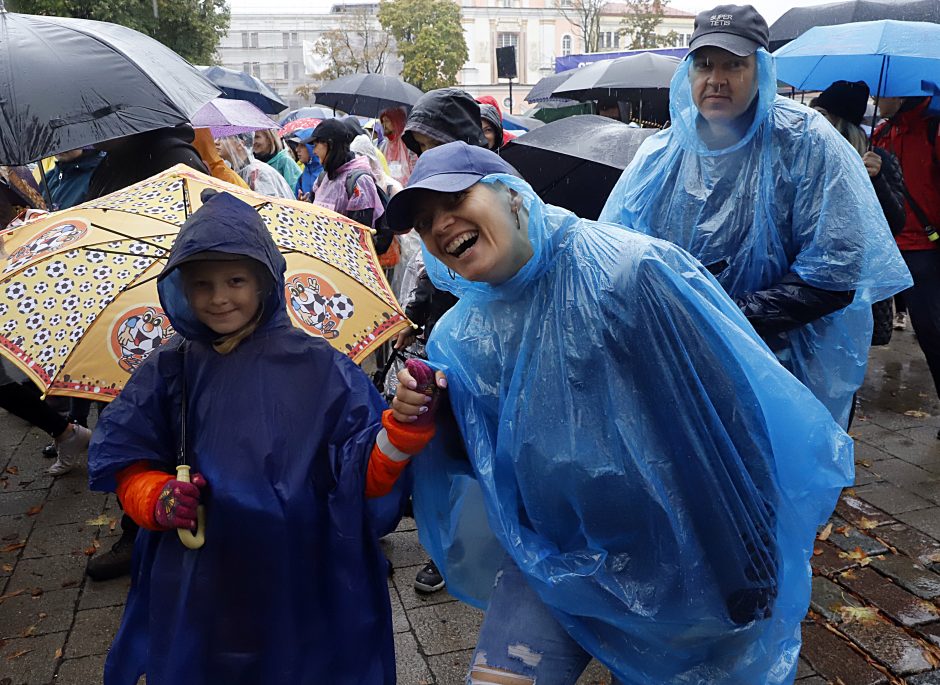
x=874, y=618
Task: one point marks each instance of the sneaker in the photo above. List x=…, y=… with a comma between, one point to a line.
x=900, y=321
x=50, y=451
x=70, y=449
x=114, y=563
x=429, y=579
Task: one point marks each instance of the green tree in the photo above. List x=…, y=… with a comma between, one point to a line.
x=430, y=40
x=640, y=22
x=191, y=28
x=356, y=46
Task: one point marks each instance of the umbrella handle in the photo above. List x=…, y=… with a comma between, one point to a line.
x=187, y=537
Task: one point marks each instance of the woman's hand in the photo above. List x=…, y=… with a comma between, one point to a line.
x=872, y=161
x=416, y=398
x=406, y=338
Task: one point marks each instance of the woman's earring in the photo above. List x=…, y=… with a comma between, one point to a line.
x=450, y=272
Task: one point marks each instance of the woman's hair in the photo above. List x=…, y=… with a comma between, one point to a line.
x=337, y=137
x=852, y=133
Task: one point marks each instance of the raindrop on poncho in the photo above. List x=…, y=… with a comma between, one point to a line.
x=791, y=195
x=638, y=452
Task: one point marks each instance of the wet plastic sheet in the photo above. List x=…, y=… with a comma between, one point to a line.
x=792, y=195
x=638, y=452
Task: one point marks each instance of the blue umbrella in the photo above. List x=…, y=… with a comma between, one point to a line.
x=320, y=113
x=892, y=57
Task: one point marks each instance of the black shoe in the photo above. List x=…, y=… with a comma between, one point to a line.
x=50, y=451
x=429, y=579
x=114, y=563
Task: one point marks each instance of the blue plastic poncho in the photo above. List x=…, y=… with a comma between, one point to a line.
x=638, y=452
x=791, y=195
x=291, y=585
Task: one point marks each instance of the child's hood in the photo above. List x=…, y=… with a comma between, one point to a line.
x=223, y=224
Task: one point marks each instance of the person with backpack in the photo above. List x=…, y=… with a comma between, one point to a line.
x=346, y=185
x=910, y=133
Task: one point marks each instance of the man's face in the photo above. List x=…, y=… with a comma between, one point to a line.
x=723, y=84
x=424, y=142
x=387, y=127
x=888, y=107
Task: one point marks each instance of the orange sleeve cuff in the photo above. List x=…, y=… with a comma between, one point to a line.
x=382, y=473
x=138, y=489
x=407, y=437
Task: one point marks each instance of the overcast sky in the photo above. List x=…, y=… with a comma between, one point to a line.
x=771, y=9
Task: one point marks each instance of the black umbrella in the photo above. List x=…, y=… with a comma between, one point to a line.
x=799, y=20
x=575, y=162
x=542, y=91
x=68, y=83
x=239, y=85
x=367, y=94
x=622, y=78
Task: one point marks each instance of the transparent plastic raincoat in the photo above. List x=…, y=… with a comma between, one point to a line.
x=638, y=452
x=790, y=196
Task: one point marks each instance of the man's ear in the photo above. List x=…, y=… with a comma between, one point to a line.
x=515, y=200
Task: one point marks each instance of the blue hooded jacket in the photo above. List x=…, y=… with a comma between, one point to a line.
x=790, y=197
x=636, y=450
x=291, y=586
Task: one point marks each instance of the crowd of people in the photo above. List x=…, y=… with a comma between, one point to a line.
x=619, y=436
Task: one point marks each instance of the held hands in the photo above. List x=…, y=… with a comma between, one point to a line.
x=872, y=163
x=419, y=389
x=176, y=505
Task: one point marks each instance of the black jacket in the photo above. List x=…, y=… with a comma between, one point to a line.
x=429, y=304
x=445, y=115
x=144, y=155
x=889, y=187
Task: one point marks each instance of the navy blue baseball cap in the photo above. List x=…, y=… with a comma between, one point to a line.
x=739, y=29
x=447, y=168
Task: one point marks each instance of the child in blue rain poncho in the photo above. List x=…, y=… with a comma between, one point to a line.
x=288, y=439
x=644, y=479
x=773, y=201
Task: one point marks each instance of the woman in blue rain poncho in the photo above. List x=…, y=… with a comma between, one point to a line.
x=289, y=440
x=644, y=479
x=774, y=203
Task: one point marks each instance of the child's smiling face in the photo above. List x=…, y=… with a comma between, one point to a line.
x=223, y=294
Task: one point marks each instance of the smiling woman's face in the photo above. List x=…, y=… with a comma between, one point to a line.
x=480, y=233
x=723, y=84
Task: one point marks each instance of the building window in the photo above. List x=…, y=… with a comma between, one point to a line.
x=565, y=45
x=285, y=40
x=244, y=39
x=294, y=38
x=504, y=40
x=256, y=69
x=507, y=3
x=296, y=66
x=608, y=40
x=253, y=39
x=286, y=66
x=246, y=67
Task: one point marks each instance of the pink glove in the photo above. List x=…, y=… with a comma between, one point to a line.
x=177, y=502
x=424, y=377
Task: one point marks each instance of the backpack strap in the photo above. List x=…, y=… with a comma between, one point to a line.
x=352, y=179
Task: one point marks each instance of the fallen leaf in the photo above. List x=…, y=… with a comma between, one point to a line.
x=28, y=632
x=70, y=583
x=867, y=524
x=102, y=520
x=10, y=595
x=112, y=525
x=864, y=615
x=58, y=653
x=42, y=614
x=12, y=547
x=36, y=591
x=32, y=511
x=8, y=568
x=17, y=655
x=855, y=555
x=824, y=534
x=917, y=414
x=12, y=470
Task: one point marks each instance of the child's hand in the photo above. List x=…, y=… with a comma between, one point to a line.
x=418, y=392
x=176, y=505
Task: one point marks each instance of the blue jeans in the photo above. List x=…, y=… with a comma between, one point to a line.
x=522, y=637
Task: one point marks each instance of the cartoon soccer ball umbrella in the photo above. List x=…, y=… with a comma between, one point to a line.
x=79, y=310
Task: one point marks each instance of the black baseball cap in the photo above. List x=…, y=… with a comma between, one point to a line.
x=447, y=168
x=739, y=29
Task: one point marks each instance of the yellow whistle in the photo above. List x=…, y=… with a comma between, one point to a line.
x=187, y=537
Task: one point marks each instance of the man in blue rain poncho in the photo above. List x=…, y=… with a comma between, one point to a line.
x=640, y=476
x=772, y=200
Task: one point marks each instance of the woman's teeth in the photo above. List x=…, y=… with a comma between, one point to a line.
x=458, y=245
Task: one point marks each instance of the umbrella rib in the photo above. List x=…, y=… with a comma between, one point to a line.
x=129, y=237
x=92, y=248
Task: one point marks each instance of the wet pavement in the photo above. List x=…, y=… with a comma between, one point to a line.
x=874, y=618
